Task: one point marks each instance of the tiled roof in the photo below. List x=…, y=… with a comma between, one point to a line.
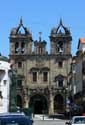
x=82, y=40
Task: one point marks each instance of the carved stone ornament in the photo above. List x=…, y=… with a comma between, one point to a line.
x=40, y=61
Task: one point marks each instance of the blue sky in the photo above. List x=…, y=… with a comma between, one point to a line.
x=41, y=15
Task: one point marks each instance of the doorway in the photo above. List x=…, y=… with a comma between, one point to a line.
x=39, y=104
x=58, y=103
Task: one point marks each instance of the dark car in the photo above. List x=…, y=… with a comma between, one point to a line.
x=76, y=110
x=15, y=119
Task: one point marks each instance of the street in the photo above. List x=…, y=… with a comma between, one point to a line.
x=40, y=120
x=49, y=122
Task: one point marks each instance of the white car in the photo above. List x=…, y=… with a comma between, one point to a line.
x=77, y=120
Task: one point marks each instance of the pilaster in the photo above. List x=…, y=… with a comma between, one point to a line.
x=51, y=103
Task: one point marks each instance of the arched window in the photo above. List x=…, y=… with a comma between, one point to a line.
x=59, y=47
x=22, y=47
x=16, y=47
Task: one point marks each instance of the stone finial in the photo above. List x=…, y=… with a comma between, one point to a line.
x=61, y=21
x=40, y=36
x=21, y=21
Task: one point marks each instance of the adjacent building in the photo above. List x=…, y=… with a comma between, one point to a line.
x=79, y=74
x=4, y=84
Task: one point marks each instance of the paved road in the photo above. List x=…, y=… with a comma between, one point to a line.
x=38, y=120
x=48, y=122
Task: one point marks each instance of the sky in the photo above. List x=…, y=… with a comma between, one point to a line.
x=41, y=16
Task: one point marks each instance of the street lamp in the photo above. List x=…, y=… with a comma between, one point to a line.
x=12, y=89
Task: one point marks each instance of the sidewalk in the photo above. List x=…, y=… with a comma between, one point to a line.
x=44, y=117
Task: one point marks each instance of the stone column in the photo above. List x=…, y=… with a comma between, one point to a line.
x=51, y=103
x=26, y=98
x=26, y=102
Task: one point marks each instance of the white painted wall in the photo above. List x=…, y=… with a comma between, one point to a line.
x=83, y=47
x=4, y=87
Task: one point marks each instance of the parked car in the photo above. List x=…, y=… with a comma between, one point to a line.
x=15, y=119
x=77, y=120
x=76, y=110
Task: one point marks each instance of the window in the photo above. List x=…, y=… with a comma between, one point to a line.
x=39, y=50
x=19, y=64
x=83, y=68
x=83, y=84
x=59, y=46
x=5, y=82
x=19, y=83
x=16, y=47
x=34, y=76
x=45, y=76
x=60, y=64
x=22, y=47
x=60, y=83
x=1, y=94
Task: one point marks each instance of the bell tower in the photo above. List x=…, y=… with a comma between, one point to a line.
x=60, y=39
x=40, y=46
x=20, y=40
x=20, y=53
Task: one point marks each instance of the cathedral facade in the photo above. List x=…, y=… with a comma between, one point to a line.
x=42, y=78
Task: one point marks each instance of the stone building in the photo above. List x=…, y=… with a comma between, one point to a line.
x=42, y=78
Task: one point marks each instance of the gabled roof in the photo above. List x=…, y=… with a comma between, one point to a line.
x=82, y=41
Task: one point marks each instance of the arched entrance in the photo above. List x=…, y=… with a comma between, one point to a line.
x=58, y=104
x=19, y=101
x=39, y=104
